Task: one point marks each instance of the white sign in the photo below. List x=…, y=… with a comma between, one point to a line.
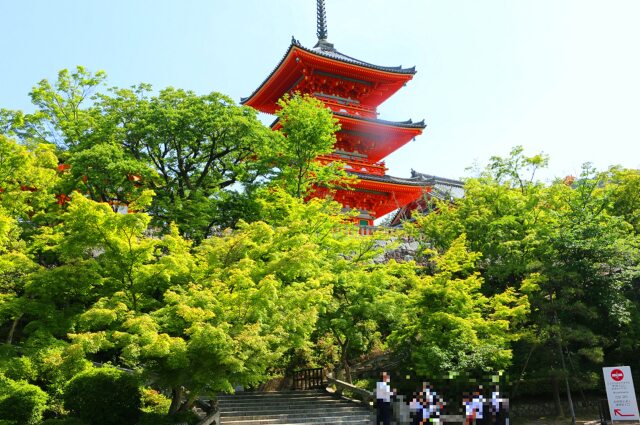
x=620, y=393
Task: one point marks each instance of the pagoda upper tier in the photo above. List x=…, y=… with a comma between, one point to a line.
x=345, y=84
x=352, y=89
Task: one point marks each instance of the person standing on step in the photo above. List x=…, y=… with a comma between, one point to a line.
x=383, y=401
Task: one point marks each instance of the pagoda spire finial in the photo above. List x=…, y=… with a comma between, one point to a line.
x=322, y=32
x=322, y=21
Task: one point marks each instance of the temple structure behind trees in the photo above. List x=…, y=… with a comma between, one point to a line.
x=353, y=90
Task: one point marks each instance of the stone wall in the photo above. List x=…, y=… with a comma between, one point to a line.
x=548, y=408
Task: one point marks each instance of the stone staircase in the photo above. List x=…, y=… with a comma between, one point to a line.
x=310, y=407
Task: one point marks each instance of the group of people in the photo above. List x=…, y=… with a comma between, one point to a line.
x=426, y=407
x=479, y=409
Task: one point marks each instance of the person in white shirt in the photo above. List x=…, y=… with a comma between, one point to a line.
x=383, y=400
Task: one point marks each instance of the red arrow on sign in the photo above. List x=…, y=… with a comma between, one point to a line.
x=617, y=375
x=617, y=412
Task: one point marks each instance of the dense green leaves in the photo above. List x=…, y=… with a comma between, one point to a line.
x=450, y=326
x=179, y=241
x=198, y=145
x=570, y=246
x=309, y=129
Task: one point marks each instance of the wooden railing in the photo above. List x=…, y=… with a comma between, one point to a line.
x=307, y=379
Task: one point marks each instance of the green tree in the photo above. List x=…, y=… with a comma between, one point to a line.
x=565, y=245
x=28, y=175
x=309, y=129
x=195, y=323
x=367, y=300
x=61, y=117
x=449, y=325
x=190, y=149
x=198, y=145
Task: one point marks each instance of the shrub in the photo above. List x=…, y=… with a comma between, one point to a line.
x=23, y=403
x=154, y=402
x=20, y=368
x=104, y=396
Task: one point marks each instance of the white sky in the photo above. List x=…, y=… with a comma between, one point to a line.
x=558, y=76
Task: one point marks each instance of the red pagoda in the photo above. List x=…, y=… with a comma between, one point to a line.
x=353, y=90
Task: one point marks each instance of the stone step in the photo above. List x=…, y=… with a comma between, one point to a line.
x=279, y=399
x=274, y=395
x=284, y=418
x=306, y=413
x=302, y=421
x=303, y=410
x=309, y=407
x=253, y=404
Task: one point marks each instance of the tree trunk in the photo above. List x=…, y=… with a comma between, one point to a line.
x=176, y=399
x=345, y=362
x=189, y=403
x=555, y=385
x=12, y=331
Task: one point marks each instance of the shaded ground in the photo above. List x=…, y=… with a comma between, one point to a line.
x=585, y=420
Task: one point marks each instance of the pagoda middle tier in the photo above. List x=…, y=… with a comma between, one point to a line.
x=353, y=90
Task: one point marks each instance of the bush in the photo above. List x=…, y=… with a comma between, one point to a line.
x=154, y=402
x=104, y=396
x=20, y=368
x=22, y=404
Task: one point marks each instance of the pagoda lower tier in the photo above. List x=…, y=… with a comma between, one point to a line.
x=375, y=196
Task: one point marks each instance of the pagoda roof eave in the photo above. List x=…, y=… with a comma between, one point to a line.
x=420, y=125
x=416, y=175
x=402, y=124
x=390, y=180
x=333, y=55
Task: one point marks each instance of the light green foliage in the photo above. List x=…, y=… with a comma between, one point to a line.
x=367, y=301
x=515, y=272
x=153, y=401
x=106, y=174
x=61, y=117
x=624, y=195
x=309, y=129
x=27, y=177
x=197, y=323
x=449, y=325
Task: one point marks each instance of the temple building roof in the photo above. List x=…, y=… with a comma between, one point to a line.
x=391, y=179
x=442, y=188
x=324, y=58
x=334, y=54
